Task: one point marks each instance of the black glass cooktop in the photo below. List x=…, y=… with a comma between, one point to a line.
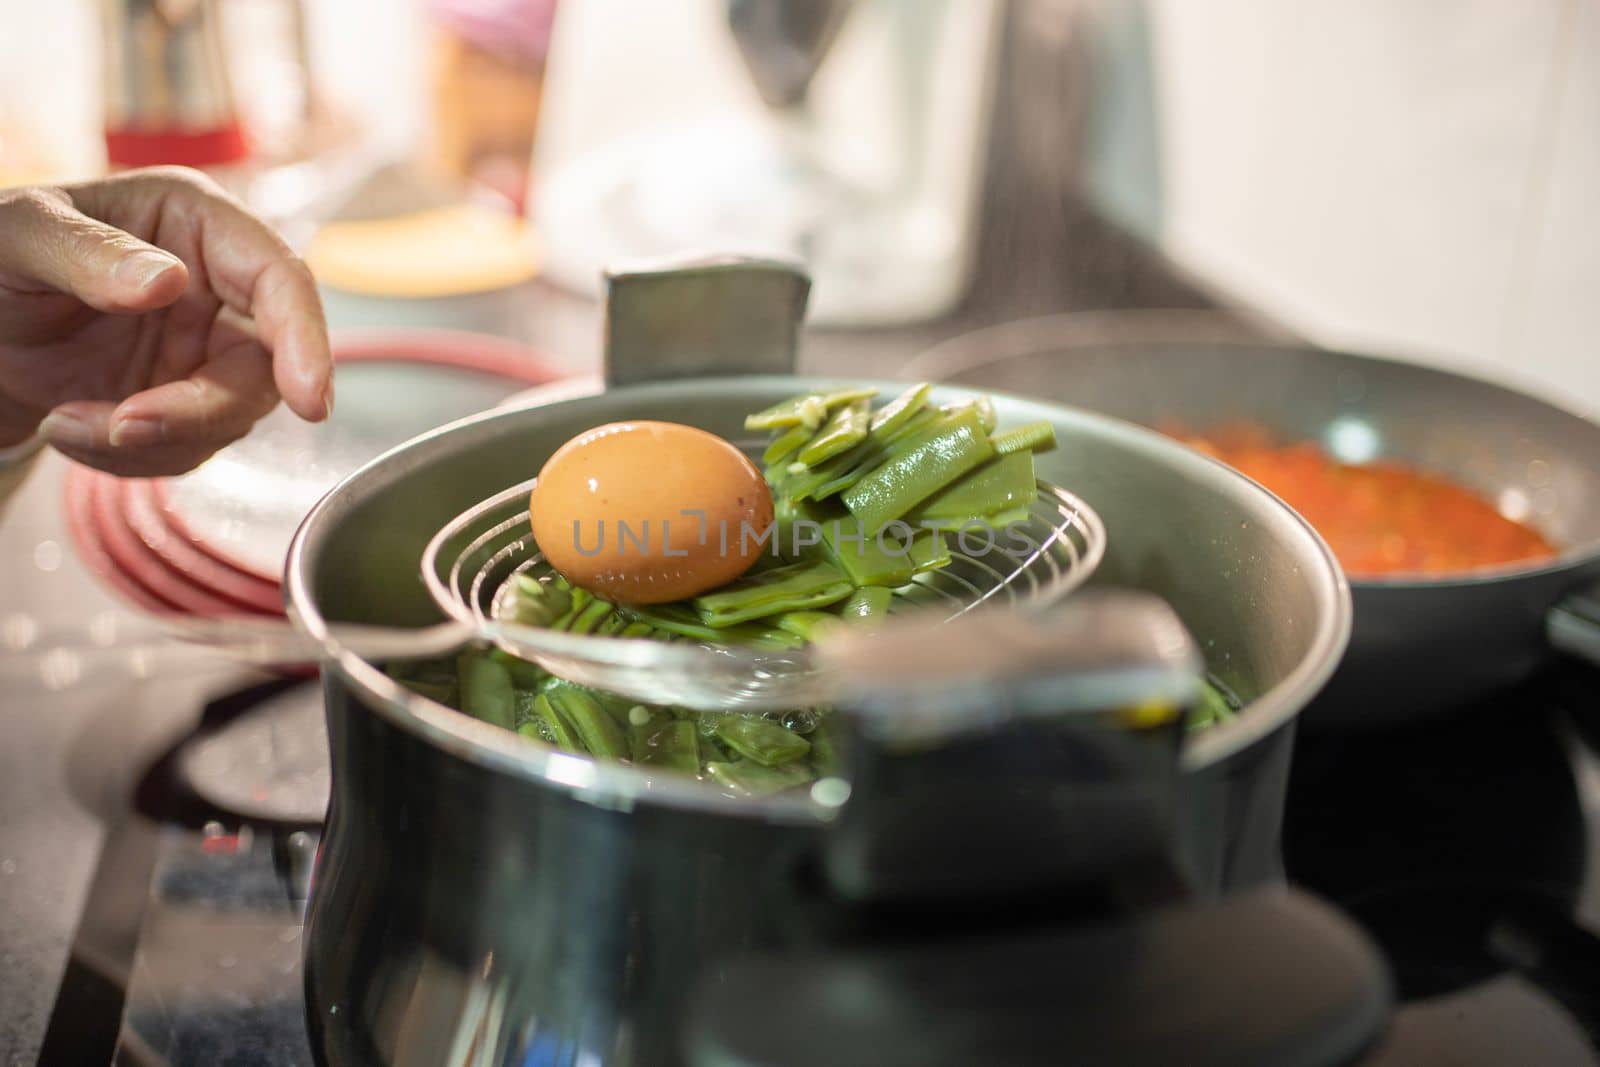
x=1466, y=845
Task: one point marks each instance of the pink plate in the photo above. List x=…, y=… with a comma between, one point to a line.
x=134, y=559
x=80, y=527
x=143, y=515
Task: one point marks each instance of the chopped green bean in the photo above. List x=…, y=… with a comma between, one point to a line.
x=869, y=602
x=524, y=675
x=895, y=414
x=766, y=742
x=747, y=778
x=541, y=603
x=786, y=444
x=807, y=625
x=486, y=689
x=845, y=428
x=596, y=728
x=593, y=614
x=1002, y=484
x=1033, y=437
x=887, y=558
x=788, y=588
x=809, y=410
x=917, y=467
x=672, y=744
x=553, y=727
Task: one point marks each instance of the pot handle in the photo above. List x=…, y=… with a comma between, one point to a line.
x=992, y=755
x=1573, y=625
x=703, y=316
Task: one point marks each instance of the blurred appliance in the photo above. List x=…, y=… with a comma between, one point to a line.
x=168, y=94
x=849, y=134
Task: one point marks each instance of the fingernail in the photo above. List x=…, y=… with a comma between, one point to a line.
x=327, y=399
x=63, y=429
x=136, y=432
x=141, y=269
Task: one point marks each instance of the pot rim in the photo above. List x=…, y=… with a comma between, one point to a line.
x=621, y=787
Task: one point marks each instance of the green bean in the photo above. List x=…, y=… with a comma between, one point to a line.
x=1211, y=708
x=786, y=444
x=842, y=470
x=788, y=588
x=592, y=615
x=486, y=689
x=524, y=675
x=882, y=559
x=596, y=728
x=918, y=422
x=580, y=600
x=895, y=414
x=553, y=727
x=1002, y=484
x=1033, y=437
x=919, y=466
x=747, y=778
x=541, y=603
x=868, y=602
x=766, y=742
x=825, y=742
x=672, y=744
x=679, y=620
x=808, y=410
x=807, y=625
x=845, y=429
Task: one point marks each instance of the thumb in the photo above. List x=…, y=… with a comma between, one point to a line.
x=49, y=241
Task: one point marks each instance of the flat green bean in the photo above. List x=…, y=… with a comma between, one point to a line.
x=845, y=428
x=486, y=689
x=671, y=744
x=766, y=742
x=1032, y=437
x=895, y=414
x=552, y=727
x=809, y=410
x=786, y=444
x=868, y=602
x=595, y=726
x=1003, y=484
x=747, y=778
x=919, y=466
x=791, y=587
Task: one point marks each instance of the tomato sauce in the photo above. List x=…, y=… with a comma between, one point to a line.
x=1381, y=518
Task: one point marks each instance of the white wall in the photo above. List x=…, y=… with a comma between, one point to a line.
x=1418, y=176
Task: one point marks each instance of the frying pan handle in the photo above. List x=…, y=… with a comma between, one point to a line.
x=1573, y=625
x=693, y=318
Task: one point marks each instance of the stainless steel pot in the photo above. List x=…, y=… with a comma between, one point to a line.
x=1420, y=645
x=478, y=897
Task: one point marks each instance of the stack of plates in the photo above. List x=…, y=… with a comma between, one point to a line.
x=212, y=542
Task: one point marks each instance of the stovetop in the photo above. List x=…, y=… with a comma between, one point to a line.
x=1465, y=845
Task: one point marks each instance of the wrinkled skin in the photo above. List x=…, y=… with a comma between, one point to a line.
x=147, y=320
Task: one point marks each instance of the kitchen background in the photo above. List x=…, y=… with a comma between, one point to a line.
x=1415, y=178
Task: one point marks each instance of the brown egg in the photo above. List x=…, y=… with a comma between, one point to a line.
x=648, y=512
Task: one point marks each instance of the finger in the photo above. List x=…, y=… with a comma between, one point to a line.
x=166, y=462
x=215, y=405
x=49, y=243
x=251, y=270
x=82, y=431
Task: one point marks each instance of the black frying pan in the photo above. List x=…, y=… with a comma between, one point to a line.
x=1420, y=645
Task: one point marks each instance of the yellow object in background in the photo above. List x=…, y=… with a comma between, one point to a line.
x=445, y=251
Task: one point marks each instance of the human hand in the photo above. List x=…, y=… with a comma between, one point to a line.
x=147, y=320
